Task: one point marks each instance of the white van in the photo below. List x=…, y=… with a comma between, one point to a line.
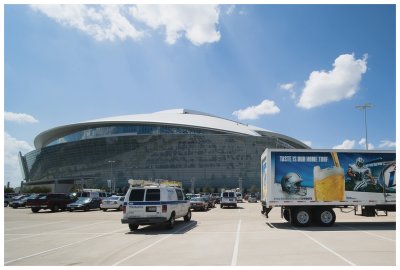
x=239, y=197
x=228, y=198
x=154, y=204
x=91, y=193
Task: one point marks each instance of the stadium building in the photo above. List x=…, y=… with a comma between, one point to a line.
x=201, y=150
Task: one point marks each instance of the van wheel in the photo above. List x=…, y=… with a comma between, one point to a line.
x=188, y=216
x=171, y=221
x=133, y=227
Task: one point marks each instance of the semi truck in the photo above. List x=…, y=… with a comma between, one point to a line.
x=308, y=184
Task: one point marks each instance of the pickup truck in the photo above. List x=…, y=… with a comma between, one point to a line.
x=52, y=201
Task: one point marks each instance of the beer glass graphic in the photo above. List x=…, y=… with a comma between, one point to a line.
x=329, y=182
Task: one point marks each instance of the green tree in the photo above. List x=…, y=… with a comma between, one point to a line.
x=36, y=190
x=8, y=190
x=253, y=189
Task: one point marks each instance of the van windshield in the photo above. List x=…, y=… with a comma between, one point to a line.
x=228, y=194
x=82, y=194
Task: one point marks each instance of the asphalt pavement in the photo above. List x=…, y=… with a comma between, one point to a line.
x=217, y=237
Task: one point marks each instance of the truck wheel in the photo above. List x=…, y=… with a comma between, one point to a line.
x=286, y=215
x=301, y=217
x=55, y=208
x=35, y=210
x=133, y=227
x=325, y=217
x=188, y=216
x=171, y=221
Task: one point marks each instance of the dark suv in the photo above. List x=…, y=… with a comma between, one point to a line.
x=52, y=201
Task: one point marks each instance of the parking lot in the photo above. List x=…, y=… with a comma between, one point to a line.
x=217, y=237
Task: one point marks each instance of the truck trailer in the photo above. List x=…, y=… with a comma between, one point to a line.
x=308, y=184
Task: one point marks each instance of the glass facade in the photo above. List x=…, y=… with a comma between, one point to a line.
x=126, y=130
x=207, y=160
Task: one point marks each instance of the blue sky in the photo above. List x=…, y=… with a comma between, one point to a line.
x=298, y=70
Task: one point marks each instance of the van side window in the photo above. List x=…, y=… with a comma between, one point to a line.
x=136, y=195
x=179, y=194
x=153, y=194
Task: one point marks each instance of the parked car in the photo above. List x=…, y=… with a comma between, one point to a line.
x=85, y=204
x=199, y=203
x=113, y=202
x=252, y=198
x=210, y=200
x=8, y=198
x=217, y=197
x=22, y=201
x=52, y=201
x=17, y=200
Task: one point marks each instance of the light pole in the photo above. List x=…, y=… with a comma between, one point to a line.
x=365, y=107
x=111, y=162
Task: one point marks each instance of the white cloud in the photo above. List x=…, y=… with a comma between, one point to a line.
x=196, y=22
x=387, y=144
x=290, y=88
x=12, y=147
x=110, y=22
x=308, y=143
x=347, y=144
x=253, y=112
x=19, y=117
x=106, y=22
x=363, y=141
x=230, y=9
x=342, y=82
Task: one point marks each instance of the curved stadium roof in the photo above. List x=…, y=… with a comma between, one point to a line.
x=176, y=117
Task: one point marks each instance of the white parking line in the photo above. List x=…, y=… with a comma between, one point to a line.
x=149, y=246
x=64, y=246
x=236, y=247
x=50, y=232
x=37, y=225
x=373, y=234
x=328, y=249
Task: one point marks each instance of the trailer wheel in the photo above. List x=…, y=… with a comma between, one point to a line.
x=286, y=214
x=325, y=217
x=301, y=217
x=133, y=227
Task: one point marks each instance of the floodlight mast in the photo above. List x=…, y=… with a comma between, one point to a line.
x=365, y=107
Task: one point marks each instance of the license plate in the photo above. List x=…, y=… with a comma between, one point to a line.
x=151, y=208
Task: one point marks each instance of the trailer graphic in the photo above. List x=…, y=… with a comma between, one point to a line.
x=316, y=180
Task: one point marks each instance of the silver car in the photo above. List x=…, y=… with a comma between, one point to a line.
x=113, y=202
